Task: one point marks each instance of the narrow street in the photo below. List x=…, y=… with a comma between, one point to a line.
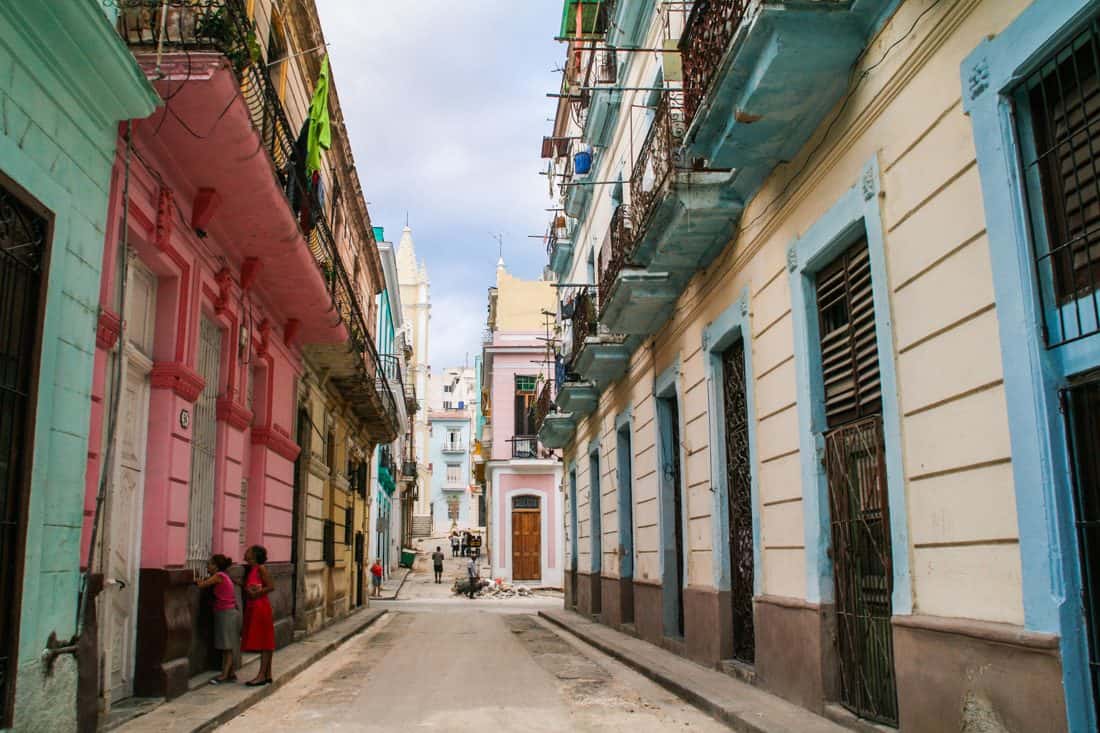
x=448, y=663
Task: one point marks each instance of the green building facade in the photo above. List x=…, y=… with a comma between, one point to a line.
x=66, y=82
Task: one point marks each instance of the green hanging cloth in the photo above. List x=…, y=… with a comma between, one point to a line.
x=320, y=130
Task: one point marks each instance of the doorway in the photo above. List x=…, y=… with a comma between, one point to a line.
x=24, y=241
x=626, y=523
x=672, y=513
x=121, y=560
x=595, y=529
x=735, y=418
x=574, y=544
x=855, y=466
x=526, y=538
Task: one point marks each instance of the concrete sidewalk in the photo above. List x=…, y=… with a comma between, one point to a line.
x=209, y=706
x=737, y=704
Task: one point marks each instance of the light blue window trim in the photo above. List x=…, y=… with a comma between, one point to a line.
x=624, y=491
x=1032, y=374
x=595, y=508
x=667, y=386
x=727, y=329
x=855, y=215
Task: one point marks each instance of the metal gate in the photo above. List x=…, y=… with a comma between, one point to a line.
x=204, y=433
x=23, y=237
x=856, y=471
x=1082, y=403
x=739, y=500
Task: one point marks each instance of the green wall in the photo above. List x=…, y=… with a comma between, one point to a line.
x=66, y=80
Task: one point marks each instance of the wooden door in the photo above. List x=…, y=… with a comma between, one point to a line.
x=526, y=544
x=122, y=541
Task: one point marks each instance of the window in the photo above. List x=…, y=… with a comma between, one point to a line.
x=525, y=398
x=525, y=502
x=448, y=388
x=1060, y=102
x=448, y=405
x=454, y=474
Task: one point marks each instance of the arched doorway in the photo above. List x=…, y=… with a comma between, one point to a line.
x=526, y=538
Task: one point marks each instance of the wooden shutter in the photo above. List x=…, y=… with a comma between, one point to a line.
x=849, y=350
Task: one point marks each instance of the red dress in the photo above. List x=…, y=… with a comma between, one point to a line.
x=259, y=624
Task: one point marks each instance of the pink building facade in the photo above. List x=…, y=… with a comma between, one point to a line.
x=222, y=286
x=522, y=478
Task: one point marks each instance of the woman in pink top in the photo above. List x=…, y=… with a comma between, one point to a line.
x=227, y=618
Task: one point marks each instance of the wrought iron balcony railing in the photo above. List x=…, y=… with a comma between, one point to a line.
x=224, y=26
x=658, y=157
x=544, y=405
x=584, y=319
x=525, y=446
x=707, y=35
x=620, y=247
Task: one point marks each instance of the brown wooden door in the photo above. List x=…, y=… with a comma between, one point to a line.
x=526, y=545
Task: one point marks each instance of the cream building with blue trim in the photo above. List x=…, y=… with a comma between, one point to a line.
x=828, y=319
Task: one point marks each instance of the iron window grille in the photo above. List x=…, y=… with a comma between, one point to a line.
x=1059, y=106
x=329, y=542
x=525, y=502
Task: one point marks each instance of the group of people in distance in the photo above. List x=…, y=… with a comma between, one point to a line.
x=465, y=543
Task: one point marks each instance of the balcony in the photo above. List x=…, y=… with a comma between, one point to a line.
x=559, y=249
x=224, y=126
x=525, y=446
x=596, y=355
x=453, y=446
x=554, y=427
x=759, y=78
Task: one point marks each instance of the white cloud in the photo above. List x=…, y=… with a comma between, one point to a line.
x=445, y=104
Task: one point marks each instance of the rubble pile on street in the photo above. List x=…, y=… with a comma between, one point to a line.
x=486, y=589
x=505, y=590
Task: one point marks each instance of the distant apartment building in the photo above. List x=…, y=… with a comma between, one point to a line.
x=521, y=477
x=452, y=398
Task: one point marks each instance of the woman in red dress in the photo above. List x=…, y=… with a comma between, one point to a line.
x=258, y=634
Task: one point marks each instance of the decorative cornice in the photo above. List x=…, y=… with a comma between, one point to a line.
x=107, y=329
x=233, y=414
x=182, y=380
x=277, y=440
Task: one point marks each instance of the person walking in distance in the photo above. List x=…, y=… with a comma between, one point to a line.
x=259, y=623
x=454, y=543
x=376, y=578
x=437, y=564
x=471, y=575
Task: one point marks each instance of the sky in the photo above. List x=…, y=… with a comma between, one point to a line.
x=445, y=104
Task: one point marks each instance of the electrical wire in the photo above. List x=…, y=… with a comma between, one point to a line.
x=106, y=469
x=854, y=83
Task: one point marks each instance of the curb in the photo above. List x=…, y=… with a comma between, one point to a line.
x=396, y=593
x=262, y=692
x=708, y=706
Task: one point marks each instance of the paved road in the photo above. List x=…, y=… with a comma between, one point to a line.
x=441, y=663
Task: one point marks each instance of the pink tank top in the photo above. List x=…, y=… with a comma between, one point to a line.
x=224, y=597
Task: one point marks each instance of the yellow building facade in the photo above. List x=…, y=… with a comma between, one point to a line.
x=783, y=408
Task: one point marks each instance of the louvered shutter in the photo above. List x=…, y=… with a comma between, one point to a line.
x=849, y=352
